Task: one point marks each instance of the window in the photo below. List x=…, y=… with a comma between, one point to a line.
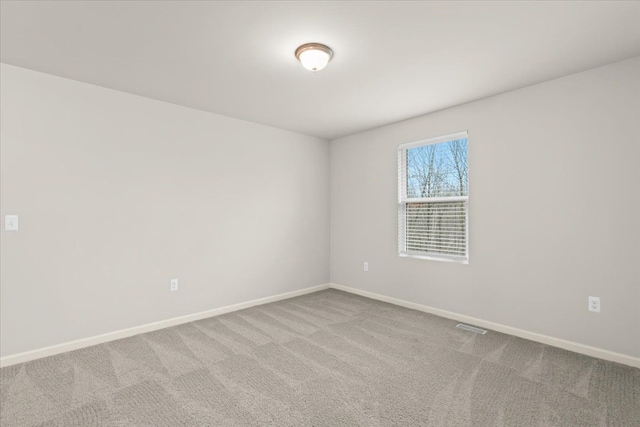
x=433, y=198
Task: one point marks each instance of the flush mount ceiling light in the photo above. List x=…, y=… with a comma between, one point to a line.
x=314, y=56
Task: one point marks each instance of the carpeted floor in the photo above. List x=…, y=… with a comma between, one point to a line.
x=324, y=359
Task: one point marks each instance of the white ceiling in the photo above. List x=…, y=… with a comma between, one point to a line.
x=393, y=60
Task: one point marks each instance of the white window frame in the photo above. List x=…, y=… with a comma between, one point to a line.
x=403, y=200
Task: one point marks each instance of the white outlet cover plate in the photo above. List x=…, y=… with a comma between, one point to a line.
x=594, y=304
x=11, y=222
x=174, y=285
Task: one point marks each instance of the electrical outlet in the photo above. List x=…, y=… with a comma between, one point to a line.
x=366, y=266
x=11, y=222
x=594, y=304
x=174, y=285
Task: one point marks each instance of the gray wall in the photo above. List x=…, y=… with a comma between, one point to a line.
x=554, y=210
x=118, y=194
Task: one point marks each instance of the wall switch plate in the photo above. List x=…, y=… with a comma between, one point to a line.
x=11, y=222
x=594, y=304
x=366, y=266
x=174, y=285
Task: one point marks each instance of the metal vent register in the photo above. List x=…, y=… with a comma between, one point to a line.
x=471, y=328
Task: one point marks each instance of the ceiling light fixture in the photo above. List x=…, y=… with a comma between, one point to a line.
x=314, y=56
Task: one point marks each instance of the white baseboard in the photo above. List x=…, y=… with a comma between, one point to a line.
x=124, y=333
x=533, y=336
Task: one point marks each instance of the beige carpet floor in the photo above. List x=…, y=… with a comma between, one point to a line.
x=324, y=359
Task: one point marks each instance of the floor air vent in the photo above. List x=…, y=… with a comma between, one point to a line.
x=471, y=328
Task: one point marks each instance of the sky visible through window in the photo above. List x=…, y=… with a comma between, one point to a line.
x=438, y=170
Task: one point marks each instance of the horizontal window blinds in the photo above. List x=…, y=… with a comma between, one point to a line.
x=437, y=227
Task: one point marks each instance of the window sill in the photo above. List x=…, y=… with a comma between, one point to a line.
x=434, y=257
